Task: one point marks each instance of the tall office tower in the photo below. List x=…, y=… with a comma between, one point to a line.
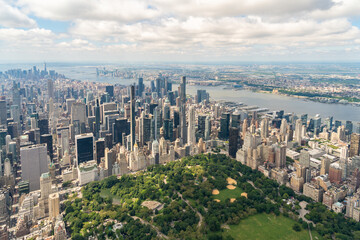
x=3, y=134
x=304, y=158
x=16, y=99
x=97, y=118
x=191, y=126
x=132, y=116
x=354, y=145
x=201, y=95
x=78, y=113
x=264, y=128
x=235, y=119
x=45, y=185
x=224, y=126
x=3, y=112
x=337, y=124
x=141, y=86
x=304, y=118
x=99, y=149
x=207, y=132
x=325, y=165
x=69, y=103
x=50, y=86
x=54, y=207
x=349, y=127
x=145, y=129
x=329, y=122
x=183, y=132
x=244, y=127
x=317, y=124
x=152, y=86
x=280, y=156
x=201, y=126
x=43, y=125
x=110, y=159
x=47, y=138
x=110, y=90
x=283, y=127
x=15, y=113
x=298, y=130
x=233, y=141
x=121, y=127
x=84, y=146
x=34, y=162
x=168, y=129
x=341, y=133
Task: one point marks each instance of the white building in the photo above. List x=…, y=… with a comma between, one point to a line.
x=34, y=162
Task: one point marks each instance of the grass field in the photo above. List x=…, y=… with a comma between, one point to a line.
x=227, y=193
x=268, y=226
x=106, y=193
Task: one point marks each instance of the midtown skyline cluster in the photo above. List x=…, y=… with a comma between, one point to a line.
x=66, y=141
x=313, y=30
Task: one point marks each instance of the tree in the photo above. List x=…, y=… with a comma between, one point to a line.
x=296, y=227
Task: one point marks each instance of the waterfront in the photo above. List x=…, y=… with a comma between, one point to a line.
x=87, y=72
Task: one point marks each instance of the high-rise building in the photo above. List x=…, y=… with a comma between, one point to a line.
x=141, y=86
x=50, y=88
x=264, y=128
x=99, y=149
x=54, y=205
x=43, y=125
x=354, y=145
x=304, y=158
x=110, y=90
x=84, y=146
x=224, y=126
x=298, y=131
x=121, y=127
x=233, y=141
x=45, y=185
x=280, y=156
x=34, y=162
x=183, y=130
x=47, y=138
x=191, y=126
x=132, y=116
x=3, y=112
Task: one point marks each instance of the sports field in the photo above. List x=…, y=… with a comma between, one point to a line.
x=268, y=226
x=228, y=193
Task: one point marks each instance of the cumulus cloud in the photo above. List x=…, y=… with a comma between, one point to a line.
x=12, y=17
x=70, y=10
x=198, y=28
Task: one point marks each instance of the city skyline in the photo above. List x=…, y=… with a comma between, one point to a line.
x=313, y=30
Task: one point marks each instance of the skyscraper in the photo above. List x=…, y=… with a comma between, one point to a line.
x=140, y=86
x=298, y=130
x=34, y=162
x=354, y=145
x=191, y=126
x=3, y=112
x=84, y=146
x=224, y=126
x=132, y=116
x=233, y=141
x=183, y=132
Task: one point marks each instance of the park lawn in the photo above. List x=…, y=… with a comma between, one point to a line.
x=268, y=226
x=227, y=193
x=106, y=193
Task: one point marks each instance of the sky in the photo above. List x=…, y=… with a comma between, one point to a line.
x=179, y=30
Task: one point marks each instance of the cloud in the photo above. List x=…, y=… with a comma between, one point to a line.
x=70, y=10
x=231, y=8
x=190, y=28
x=12, y=17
